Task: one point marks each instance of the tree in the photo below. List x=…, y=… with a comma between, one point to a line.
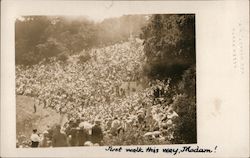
x=169, y=44
x=41, y=37
x=185, y=105
x=28, y=33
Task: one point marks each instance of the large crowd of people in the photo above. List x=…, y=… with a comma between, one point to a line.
x=59, y=85
x=90, y=94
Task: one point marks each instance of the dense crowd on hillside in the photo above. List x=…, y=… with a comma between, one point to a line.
x=89, y=92
x=59, y=85
x=135, y=116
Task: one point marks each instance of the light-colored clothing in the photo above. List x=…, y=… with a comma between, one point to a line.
x=172, y=115
x=35, y=138
x=116, y=124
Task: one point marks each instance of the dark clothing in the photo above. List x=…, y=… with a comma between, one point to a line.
x=157, y=93
x=50, y=134
x=140, y=118
x=34, y=144
x=59, y=140
x=73, y=133
x=82, y=137
x=44, y=143
x=97, y=134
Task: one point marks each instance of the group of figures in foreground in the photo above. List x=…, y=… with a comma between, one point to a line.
x=153, y=125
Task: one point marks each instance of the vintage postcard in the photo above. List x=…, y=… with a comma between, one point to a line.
x=125, y=78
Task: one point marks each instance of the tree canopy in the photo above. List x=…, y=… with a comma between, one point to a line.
x=169, y=44
x=40, y=37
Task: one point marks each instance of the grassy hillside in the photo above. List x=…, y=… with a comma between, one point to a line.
x=27, y=119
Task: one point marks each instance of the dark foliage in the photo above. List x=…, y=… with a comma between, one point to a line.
x=41, y=37
x=29, y=33
x=185, y=105
x=169, y=45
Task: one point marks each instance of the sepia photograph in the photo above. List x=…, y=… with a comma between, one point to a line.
x=105, y=81
x=124, y=79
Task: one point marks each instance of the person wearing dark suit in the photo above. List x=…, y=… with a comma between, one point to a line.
x=97, y=134
x=59, y=139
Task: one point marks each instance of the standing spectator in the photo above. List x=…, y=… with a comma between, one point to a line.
x=35, y=139
x=73, y=134
x=59, y=139
x=115, y=126
x=45, y=141
x=97, y=134
x=82, y=136
x=50, y=132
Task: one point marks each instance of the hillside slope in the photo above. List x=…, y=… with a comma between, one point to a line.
x=27, y=119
